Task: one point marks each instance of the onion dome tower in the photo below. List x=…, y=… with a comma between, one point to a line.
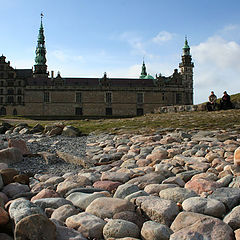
x=40, y=67
x=186, y=68
x=144, y=71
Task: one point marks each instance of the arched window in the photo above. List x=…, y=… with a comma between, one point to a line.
x=3, y=111
x=10, y=91
x=14, y=111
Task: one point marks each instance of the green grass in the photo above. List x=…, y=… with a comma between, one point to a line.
x=229, y=119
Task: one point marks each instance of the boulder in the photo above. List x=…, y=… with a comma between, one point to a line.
x=207, y=206
x=10, y=155
x=237, y=156
x=37, y=227
x=20, y=209
x=146, y=179
x=4, y=217
x=63, y=212
x=51, y=202
x=154, y=189
x=134, y=217
x=117, y=228
x=107, y=185
x=13, y=189
x=157, y=209
x=70, y=131
x=115, y=176
x=8, y=175
x=154, y=231
x=21, y=178
x=45, y=193
x=230, y=197
x=188, y=225
x=177, y=194
x=89, y=225
x=65, y=233
x=82, y=200
x=125, y=190
x=202, y=185
x=233, y=218
x=19, y=144
x=71, y=183
x=106, y=207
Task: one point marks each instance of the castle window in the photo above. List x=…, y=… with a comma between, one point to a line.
x=140, y=98
x=19, y=99
x=1, y=91
x=10, y=83
x=10, y=99
x=108, y=97
x=1, y=83
x=139, y=111
x=19, y=83
x=163, y=97
x=78, y=97
x=178, y=98
x=78, y=111
x=10, y=91
x=46, y=97
x=108, y=111
x=1, y=99
x=14, y=112
x=19, y=91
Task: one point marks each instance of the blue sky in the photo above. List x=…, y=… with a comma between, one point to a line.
x=85, y=38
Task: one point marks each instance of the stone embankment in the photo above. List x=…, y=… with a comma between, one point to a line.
x=187, y=108
x=169, y=185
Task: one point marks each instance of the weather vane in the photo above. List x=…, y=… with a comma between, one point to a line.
x=42, y=15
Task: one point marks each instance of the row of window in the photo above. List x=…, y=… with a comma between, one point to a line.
x=10, y=99
x=10, y=83
x=10, y=91
x=108, y=111
x=108, y=97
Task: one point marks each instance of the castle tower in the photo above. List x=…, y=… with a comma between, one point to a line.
x=144, y=71
x=40, y=67
x=186, y=70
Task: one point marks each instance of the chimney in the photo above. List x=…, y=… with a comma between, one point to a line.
x=52, y=74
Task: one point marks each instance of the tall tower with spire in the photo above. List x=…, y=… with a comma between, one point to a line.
x=40, y=67
x=186, y=68
x=144, y=71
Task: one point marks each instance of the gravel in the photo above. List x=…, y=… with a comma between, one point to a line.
x=41, y=143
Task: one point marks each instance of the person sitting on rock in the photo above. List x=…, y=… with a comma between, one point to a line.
x=211, y=105
x=226, y=103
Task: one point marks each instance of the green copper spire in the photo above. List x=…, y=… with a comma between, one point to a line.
x=40, y=58
x=144, y=71
x=186, y=48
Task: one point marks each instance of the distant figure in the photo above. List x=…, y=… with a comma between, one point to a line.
x=211, y=105
x=225, y=103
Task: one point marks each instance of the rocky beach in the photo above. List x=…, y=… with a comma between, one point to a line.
x=171, y=184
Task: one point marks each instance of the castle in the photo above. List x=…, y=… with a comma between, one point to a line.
x=33, y=93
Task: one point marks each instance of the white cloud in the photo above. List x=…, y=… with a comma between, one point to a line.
x=163, y=36
x=217, y=67
x=134, y=41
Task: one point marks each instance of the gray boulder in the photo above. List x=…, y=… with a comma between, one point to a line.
x=117, y=228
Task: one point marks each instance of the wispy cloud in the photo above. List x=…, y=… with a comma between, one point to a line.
x=162, y=37
x=135, y=41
